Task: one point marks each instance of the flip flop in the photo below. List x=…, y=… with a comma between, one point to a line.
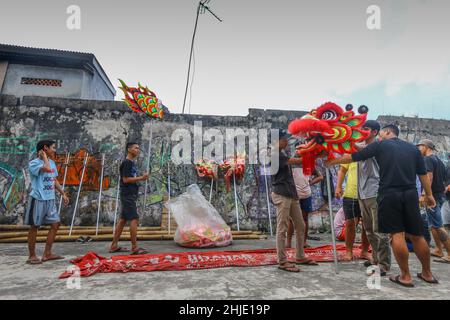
x=396, y=279
x=307, y=262
x=436, y=255
x=119, y=249
x=442, y=260
x=288, y=268
x=434, y=281
x=52, y=258
x=139, y=251
x=33, y=261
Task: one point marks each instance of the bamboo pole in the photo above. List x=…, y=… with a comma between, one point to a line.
x=268, y=201
x=330, y=210
x=235, y=200
x=117, y=203
x=26, y=228
x=211, y=190
x=92, y=231
x=124, y=237
x=100, y=192
x=148, y=163
x=79, y=191
x=64, y=181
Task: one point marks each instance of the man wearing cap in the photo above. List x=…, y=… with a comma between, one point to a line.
x=436, y=173
x=284, y=197
x=398, y=201
x=446, y=207
x=368, y=184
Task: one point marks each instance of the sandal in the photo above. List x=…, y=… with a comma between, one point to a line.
x=33, y=261
x=396, y=279
x=52, y=257
x=436, y=255
x=434, y=281
x=119, y=249
x=442, y=260
x=288, y=267
x=306, y=262
x=139, y=251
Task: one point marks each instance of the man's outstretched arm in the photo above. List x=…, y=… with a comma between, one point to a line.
x=345, y=159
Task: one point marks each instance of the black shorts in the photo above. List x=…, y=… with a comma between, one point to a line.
x=398, y=211
x=129, y=208
x=351, y=208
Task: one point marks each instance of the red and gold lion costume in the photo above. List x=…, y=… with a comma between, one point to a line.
x=328, y=129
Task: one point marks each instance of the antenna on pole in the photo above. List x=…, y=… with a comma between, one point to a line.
x=201, y=9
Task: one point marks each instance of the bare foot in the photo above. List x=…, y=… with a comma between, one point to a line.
x=348, y=257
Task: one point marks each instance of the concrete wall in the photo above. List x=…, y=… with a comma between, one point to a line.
x=105, y=126
x=76, y=84
x=3, y=68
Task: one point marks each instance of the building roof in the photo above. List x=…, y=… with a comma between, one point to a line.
x=54, y=58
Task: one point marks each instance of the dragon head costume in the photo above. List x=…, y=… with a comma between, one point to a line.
x=327, y=130
x=141, y=99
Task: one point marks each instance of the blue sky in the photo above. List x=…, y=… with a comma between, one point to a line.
x=286, y=54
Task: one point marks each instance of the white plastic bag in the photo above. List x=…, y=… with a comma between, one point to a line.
x=199, y=223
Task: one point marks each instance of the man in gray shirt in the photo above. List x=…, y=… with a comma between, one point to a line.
x=368, y=183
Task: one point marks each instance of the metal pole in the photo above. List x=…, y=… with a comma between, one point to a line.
x=79, y=191
x=235, y=200
x=64, y=181
x=267, y=198
x=100, y=194
x=117, y=203
x=211, y=190
x=190, y=58
x=331, y=220
x=168, y=180
x=148, y=164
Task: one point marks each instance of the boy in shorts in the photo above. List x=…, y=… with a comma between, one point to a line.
x=41, y=209
x=129, y=188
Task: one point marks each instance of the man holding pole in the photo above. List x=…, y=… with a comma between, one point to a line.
x=398, y=200
x=285, y=198
x=368, y=184
x=41, y=209
x=128, y=196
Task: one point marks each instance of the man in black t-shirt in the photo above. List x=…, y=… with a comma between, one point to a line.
x=128, y=196
x=284, y=197
x=436, y=173
x=398, y=201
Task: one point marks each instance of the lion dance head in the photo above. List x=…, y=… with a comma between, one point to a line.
x=327, y=130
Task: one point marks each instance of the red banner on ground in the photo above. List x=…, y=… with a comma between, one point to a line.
x=92, y=263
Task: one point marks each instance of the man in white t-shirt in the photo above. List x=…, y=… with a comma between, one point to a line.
x=303, y=186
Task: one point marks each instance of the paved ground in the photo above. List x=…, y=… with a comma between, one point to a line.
x=21, y=281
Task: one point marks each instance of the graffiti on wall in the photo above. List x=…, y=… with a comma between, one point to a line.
x=12, y=187
x=92, y=175
x=21, y=145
